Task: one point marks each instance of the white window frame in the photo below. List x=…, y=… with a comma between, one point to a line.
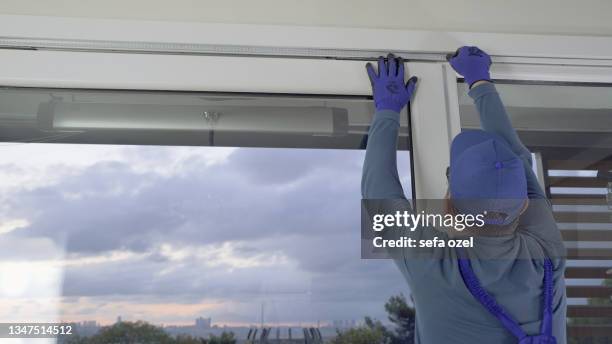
x=145, y=55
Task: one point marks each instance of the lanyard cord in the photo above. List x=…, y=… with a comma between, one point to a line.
x=546, y=327
x=473, y=284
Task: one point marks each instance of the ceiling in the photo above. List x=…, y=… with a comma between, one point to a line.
x=587, y=17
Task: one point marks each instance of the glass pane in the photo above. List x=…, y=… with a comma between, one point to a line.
x=569, y=129
x=169, y=230
x=186, y=118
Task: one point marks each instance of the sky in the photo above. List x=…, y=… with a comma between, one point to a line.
x=168, y=234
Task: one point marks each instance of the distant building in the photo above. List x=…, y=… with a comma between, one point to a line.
x=118, y=319
x=203, y=323
x=86, y=328
x=89, y=323
x=344, y=323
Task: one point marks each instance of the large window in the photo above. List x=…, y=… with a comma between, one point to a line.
x=568, y=128
x=170, y=206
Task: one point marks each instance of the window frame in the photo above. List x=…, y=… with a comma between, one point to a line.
x=127, y=54
x=144, y=55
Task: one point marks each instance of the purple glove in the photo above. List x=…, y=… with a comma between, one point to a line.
x=388, y=88
x=472, y=63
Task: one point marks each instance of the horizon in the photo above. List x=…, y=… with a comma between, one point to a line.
x=221, y=326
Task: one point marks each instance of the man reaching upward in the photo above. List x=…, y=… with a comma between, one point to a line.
x=508, y=288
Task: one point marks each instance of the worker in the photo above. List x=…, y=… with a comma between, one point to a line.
x=509, y=287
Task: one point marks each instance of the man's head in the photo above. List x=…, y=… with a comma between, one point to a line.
x=485, y=176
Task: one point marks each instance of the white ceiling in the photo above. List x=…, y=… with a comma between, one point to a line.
x=588, y=17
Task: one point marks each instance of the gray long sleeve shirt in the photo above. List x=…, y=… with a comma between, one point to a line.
x=446, y=312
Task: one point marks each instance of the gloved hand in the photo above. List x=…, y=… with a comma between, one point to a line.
x=472, y=63
x=388, y=88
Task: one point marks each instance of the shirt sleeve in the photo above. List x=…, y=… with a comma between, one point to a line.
x=380, y=183
x=494, y=119
x=380, y=179
x=538, y=221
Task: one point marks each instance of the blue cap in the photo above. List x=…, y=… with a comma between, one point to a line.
x=485, y=175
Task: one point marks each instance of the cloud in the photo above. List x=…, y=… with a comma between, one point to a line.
x=109, y=206
x=344, y=291
x=231, y=227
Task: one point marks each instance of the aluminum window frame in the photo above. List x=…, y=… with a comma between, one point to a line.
x=126, y=54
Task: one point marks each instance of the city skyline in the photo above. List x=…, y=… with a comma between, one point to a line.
x=336, y=323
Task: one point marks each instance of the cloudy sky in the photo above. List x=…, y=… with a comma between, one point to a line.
x=167, y=234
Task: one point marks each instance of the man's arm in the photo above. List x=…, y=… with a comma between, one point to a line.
x=494, y=119
x=380, y=179
x=538, y=219
x=474, y=64
x=381, y=188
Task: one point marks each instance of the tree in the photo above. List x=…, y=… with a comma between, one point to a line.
x=403, y=317
x=400, y=314
x=72, y=339
x=360, y=335
x=126, y=332
x=224, y=338
x=142, y=332
x=187, y=339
